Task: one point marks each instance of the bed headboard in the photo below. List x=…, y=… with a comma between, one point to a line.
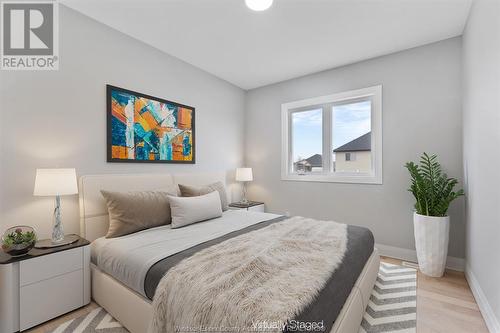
x=93, y=211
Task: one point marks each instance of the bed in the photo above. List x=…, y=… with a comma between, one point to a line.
x=124, y=285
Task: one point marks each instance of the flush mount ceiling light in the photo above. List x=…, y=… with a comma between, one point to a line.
x=259, y=5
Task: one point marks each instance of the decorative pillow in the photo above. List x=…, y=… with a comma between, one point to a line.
x=130, y=212
x=194, y=191
x=189, y=210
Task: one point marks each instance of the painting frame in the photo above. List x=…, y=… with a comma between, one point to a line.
x=109, y=117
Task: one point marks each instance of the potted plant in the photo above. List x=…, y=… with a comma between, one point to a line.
x=433, y=192
x=18, y=241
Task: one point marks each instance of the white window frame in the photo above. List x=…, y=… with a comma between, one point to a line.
x=327, y=102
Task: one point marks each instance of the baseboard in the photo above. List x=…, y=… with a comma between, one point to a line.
x=454, y=263
x=492, y=322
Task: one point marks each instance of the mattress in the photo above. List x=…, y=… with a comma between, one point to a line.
x=140, y=260
x=129, y=258
x=329, y=301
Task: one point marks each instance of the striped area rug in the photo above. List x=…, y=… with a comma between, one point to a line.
x=393, y=303
x=392, y=307
x=97, y=321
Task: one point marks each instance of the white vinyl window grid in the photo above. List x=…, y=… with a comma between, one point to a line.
x=326, y=103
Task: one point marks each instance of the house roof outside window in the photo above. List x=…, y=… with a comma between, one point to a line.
x=363, y=143
x=315, y=161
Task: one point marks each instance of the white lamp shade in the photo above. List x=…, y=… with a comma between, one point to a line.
x=50, y=182
x=244, y=174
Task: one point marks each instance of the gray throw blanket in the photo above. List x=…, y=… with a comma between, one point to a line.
x=257, y=280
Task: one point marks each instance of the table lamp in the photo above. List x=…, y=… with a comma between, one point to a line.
x=244, y=175
x=56, y=182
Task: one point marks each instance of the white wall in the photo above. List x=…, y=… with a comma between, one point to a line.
x=58, y=118
x=421, y=112
x=481, y=116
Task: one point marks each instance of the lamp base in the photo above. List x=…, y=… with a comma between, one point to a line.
x=48, y=244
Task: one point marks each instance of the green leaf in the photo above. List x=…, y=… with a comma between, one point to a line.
x=432, y=189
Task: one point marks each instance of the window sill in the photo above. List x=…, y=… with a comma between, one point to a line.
x=322, y=178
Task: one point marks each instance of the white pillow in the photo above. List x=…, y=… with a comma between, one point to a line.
x=189, y=210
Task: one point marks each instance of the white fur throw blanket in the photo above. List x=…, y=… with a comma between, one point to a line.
x=262, y=277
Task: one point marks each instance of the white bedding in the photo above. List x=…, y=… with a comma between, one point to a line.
x=129, y=258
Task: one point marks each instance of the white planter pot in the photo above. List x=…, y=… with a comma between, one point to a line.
x=431, y=240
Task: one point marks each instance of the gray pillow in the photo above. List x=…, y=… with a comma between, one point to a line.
x=194, y=191
x=130, y=212
x=189, y=210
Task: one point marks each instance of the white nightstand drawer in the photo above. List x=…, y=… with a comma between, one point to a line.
x=45, y=267
x=41, y=301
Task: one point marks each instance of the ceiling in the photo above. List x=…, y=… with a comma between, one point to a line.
x=293, y=38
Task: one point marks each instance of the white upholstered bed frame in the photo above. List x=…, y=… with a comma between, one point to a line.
x=133, y=310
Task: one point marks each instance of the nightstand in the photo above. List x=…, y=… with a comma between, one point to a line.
x=43, y=284
x=253, y=206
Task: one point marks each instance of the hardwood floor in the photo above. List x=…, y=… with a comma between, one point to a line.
x=444, y=305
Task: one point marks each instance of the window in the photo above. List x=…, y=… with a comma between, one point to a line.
x=335, y=138
x=350, y=157
x=307, y=145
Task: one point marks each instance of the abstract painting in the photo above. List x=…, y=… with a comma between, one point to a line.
x=143, y=128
